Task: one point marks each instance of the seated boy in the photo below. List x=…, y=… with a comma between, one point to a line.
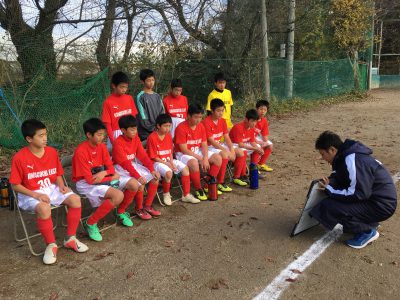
x=176, y=105
x=217, y=133
x=93, y=172
x=360, y=190
x=118, y=104
x=243, y=136
x=262, y=132
x=36, y=175
x=149, y=105
x=220, y=92
x=191, y=149
x=160, y=150
x=127, y=150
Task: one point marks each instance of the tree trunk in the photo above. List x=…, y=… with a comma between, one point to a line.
x=355, y=71
x=290, y=52
x=103, y=49
x=265, y=49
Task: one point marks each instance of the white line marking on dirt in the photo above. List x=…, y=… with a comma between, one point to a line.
x=280, y=283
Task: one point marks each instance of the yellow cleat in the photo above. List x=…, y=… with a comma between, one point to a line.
x=265, y=168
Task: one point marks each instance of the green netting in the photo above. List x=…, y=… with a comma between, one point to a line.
x=62, y=105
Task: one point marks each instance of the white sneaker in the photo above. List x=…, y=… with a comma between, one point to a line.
x=190, y=199
x=167, y=199
x=50, y=254
x=74, y=244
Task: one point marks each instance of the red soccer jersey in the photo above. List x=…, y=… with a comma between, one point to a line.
x=33, y=172
x=239, y=134
x=262, y=127
x=87, y=157
x=125, y=149
x=192, y=138
x=176, y=107
x=114, y=107
x=159, y=148
x=215, y=130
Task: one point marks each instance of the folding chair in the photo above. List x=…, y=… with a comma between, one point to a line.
x=18, y=212
x=66, y=162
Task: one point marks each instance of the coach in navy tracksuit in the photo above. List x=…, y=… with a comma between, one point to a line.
x=360, y=190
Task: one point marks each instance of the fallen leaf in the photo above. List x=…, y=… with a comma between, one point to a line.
x=253, y=218
x=185, y=276
x=53, y=296
x=269, y=259
x=296, y=271
x=129, y=275
x=101, y=255
x=290, y=279
x=395, y=263
x=236, y=214
x=229, y=223
x=169, y=243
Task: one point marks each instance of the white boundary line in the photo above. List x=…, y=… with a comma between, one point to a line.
x=292, y=271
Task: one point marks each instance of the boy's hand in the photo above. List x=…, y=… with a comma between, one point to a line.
x=142, y=180
x=115, y=176
x=42, y=197
x=173, y=166
x=232, y=155
x=64, y=189
x=98, y=177
x=205, y=165
x=156, y=175
x=260, y=151
x=323, y=182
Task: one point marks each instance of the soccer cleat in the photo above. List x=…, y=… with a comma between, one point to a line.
x=245, y=178
x=224, y=188
x=50, y=254
x=74, y=244
x=125, y=219
x=190, y=199
x=265, y=168
x=144, y=215
x=201, y=195
x=363, y=239
x=153, y=212
x=239, y=182
x=93, y=232
x=218, y=191
x=167, y=199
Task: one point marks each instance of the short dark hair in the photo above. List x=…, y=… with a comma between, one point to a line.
x=216, y=103
x=127, y=121
x=119, y=77
x=176, y=83
x=93, y=125
x=262, y=103
x=163, y=118
x=252, y=114
x=219, y=76
x=29, y=127
x=146, y=73
x=328, y=139
x=195, y=109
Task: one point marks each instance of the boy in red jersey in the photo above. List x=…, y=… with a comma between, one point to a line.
x=191, y=149
x=160, y=149
x=127, y=149
x=243, y=136
x=176, y=105
x=95, y=177
x=217, y=132
x=36, y=175
x=118, y=104
x=262, y=132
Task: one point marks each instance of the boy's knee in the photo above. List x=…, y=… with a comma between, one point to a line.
x=132, y=185
x=74, y=201
x=193, y=165
x=168, y=175
x=185, y=171
x=43, y=210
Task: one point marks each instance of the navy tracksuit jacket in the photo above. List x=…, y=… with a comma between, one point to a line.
x=361, y=191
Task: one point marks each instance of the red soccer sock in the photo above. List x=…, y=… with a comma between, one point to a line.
x=100, y=212
x=264, y=157
x=139, y=200
x=128, y=198
x=186, y=185
x=166, y=187
x=151, y=192
x=195, y=179
x=214, y=169
x=45, y=227
x=244, y=167
x=238, y=166
x=255, y=157
x=222, y=171
x=73, y=217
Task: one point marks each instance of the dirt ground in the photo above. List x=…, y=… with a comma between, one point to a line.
x=232, y=248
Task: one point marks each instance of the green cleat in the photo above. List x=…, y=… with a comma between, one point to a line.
x=224, y=188
x=201, y=195
x=93, y=232
x=125, y=219
x=239, y=182
x=218, y=191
